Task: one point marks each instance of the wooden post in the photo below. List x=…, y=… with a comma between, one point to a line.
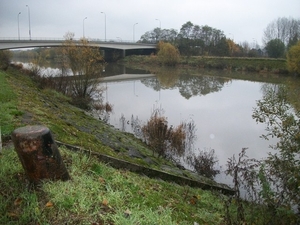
x=39, y=154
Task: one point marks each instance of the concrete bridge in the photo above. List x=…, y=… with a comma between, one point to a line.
x=104, y=45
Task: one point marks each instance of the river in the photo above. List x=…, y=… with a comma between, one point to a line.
x=220, y=106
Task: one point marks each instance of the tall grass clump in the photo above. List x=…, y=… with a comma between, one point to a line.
x=163, y=139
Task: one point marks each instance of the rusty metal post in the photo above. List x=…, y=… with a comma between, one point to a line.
x=39, y=154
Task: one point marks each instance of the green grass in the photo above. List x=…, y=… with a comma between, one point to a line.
x=8, y=109
x=100, y=194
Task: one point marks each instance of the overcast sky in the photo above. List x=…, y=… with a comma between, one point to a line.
x=243, y=20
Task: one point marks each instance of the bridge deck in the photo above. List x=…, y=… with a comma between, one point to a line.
x=13, y=44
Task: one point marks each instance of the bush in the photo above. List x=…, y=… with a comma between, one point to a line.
x=275, y=48
x=5, y=57
x=168, y=54
x=164, y=139
x=293, y=59
x=204, y=163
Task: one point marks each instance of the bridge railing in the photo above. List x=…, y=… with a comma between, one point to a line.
x=28, y=39
x=62, y=39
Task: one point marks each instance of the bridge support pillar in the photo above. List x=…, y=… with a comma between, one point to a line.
x=123, y=53
x=102, y=53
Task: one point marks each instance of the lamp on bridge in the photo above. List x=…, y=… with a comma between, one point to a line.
x=159, y=28
x=104, y=24
x=133, y=30
x=29, y=21
x=19, y=26
x=83, y=25
x=159, y=23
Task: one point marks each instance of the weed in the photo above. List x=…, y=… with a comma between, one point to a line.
x=204, y=163
x=162, y=139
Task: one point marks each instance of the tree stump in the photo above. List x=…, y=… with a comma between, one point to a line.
x=39, y=154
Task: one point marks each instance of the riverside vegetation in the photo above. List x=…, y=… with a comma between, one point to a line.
x=260, y=65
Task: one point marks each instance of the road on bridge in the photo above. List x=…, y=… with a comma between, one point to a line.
x=13, y=44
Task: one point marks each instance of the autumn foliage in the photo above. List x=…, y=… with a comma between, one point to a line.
x=167, y=54
x=293, y=59
x=86, y=64
x=164, y=139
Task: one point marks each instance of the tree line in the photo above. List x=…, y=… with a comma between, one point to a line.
x=193, y=39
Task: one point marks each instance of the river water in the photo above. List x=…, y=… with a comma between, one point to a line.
x=220, y=106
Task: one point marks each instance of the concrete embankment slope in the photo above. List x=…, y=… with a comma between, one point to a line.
x=193, y=180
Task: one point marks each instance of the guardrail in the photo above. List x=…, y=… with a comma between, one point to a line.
x=75, y=39
x=11, y=43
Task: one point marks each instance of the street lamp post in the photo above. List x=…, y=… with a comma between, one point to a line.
x=19, y=26
x=83, y=26
x=104, y=24
x=133, y=30
x=231, y=46
x=29, y=21
x=255, y=43
x=159, y=23
x=159, y=28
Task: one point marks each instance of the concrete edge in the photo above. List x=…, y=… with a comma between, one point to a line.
x=152, y=173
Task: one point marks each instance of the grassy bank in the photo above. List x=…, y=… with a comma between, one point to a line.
x=261, y=65
x=99, y=194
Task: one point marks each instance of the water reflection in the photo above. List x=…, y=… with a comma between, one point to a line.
x=188, y=86
x=221, y=109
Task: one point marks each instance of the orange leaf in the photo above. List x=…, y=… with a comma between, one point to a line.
x=105, y=202
x=193, y=200
x=18, y=201
x=101, y=180
x=49, y=204
x=12, y=214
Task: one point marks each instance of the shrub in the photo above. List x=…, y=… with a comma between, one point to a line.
x=275, y=48
x=168, y=54
x=5, y=57
x=293, y=59
x=204, y=163
x=164, y=139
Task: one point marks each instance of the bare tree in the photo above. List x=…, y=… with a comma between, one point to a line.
x=86, y=63
x=284, y=29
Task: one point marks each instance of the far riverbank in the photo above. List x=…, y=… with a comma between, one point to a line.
x=258, y=65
